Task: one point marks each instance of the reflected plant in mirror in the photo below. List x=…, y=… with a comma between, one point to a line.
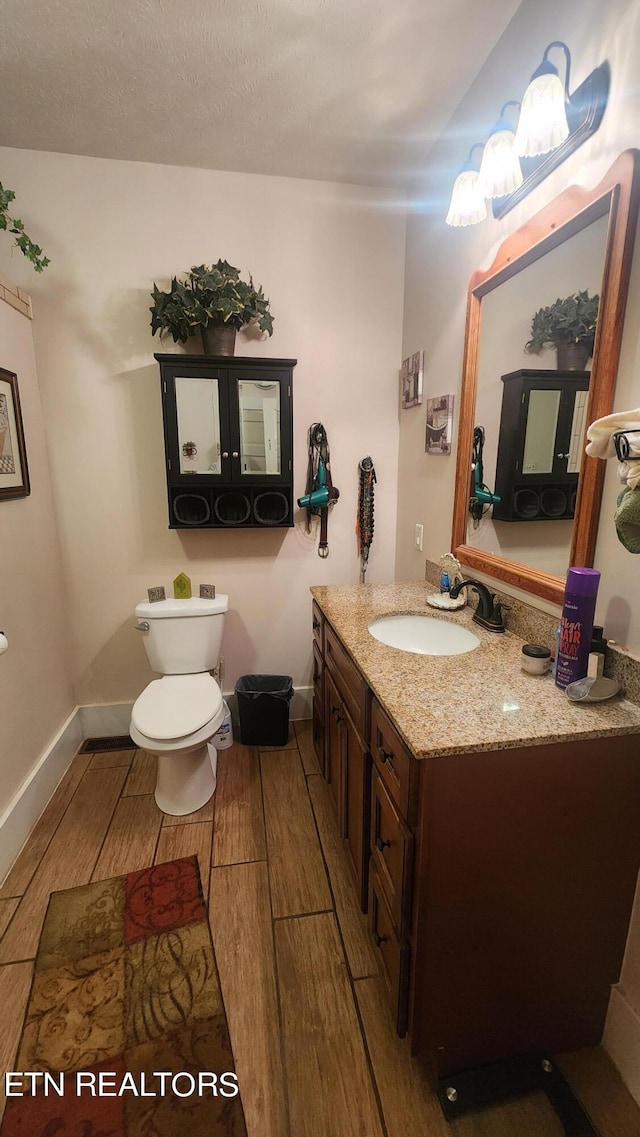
x=569, y=325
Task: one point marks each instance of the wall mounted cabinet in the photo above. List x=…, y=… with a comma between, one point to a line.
x=228, y=431
x=540, y=446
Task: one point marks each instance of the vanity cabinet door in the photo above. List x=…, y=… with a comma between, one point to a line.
x=318, y=705
x=392, y=853
x=334, y=768
x=392, y=953
x=357, y=767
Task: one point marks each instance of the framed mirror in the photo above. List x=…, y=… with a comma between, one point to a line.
x=583, y=240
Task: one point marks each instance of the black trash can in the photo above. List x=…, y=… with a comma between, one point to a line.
x=263, y=709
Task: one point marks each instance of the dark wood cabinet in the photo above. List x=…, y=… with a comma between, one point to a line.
x=541, y=440
x=228, y=431
x=499, y=884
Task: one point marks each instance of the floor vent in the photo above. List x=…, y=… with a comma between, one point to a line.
x=96, y=745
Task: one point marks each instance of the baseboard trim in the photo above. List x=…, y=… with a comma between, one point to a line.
x=101, y=720
x=22, y=812
x=621, y=1040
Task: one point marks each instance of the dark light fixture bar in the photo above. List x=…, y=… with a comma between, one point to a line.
x=585, y=108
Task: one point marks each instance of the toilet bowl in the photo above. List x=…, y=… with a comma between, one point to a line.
x=175, y=718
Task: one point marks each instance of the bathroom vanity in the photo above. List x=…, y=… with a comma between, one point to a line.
x=491, y=826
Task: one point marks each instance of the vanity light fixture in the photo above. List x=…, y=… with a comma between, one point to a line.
x=467, y=205
x=553, y=122
x=500, y=169
x=543, y=125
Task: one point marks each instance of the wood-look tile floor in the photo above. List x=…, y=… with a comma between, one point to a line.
x=315, y=1050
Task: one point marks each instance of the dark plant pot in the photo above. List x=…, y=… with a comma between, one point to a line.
x=572, y=356
x=219, y=339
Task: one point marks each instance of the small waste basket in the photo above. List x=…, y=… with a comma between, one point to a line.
x=263, y=709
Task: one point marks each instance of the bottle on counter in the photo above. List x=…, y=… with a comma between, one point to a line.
x=576, y=625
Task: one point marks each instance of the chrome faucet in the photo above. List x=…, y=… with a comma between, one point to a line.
x=489, y=611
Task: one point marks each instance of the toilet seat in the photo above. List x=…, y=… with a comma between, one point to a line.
x=178, y=707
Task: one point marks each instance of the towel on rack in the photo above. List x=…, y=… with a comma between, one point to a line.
x=601, y=443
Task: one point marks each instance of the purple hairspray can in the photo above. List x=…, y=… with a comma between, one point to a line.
x=576, y=625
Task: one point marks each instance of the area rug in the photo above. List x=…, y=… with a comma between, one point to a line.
x=125, y=1033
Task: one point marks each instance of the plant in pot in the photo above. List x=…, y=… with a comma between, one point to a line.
x=214, y=300
x=570, y=326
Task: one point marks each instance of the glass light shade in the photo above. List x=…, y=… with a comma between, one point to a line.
x=467, y=205
x=543, y=122
x=500, y=171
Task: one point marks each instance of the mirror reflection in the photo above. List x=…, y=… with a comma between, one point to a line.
x=259, y=406
x=533, y=414
x=198, y=409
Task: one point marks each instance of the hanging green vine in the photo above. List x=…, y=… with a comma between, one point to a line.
x=14, y=225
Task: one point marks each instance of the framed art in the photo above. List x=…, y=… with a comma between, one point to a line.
x=411, y=379
x=14, y=472
x=439, y=425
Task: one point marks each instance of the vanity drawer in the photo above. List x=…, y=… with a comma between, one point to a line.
x=317, y=623
x=392, y=853
x=347, y=677
x=392, y=759
x=392, y=953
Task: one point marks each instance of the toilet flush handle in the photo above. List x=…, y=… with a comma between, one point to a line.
x=142, y=626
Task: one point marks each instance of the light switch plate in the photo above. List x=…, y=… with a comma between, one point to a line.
x=418, y=537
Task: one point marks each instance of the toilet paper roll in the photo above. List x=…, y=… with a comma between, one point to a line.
x=4, y=643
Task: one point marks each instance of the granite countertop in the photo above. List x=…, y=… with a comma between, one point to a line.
x=481, y=700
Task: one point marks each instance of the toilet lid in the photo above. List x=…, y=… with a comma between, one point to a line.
x=176, y=705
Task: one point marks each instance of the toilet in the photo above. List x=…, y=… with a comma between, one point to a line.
x=176, y=716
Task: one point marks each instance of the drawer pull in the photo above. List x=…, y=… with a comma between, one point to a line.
x=316, y=623
x=379, y=940
x=381, y=845
x=385, y=755
x=337, y=713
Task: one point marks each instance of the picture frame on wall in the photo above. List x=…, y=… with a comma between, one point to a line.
x=411, y=379
x=439, y=425
x=14, y=471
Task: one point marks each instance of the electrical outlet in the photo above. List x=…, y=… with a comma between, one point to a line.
x=418, y=537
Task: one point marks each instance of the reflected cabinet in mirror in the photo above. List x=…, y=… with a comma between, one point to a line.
x=228, y=427
x=533, y=414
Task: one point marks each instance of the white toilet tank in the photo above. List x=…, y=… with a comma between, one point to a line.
x=184, y=636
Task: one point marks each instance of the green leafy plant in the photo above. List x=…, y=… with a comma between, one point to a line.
x=14, y=225
x=572, y=320
x=214, y=296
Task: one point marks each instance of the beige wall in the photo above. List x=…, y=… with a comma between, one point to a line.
x=440, y=261
x=331, y=258
x=35, y=684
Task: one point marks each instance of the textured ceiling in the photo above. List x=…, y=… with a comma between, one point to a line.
x=343, y=90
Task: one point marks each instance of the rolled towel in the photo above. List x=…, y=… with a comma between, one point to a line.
x=600, y=444
x=627, y=519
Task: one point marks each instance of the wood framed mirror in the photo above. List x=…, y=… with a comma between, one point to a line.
x=582, y=236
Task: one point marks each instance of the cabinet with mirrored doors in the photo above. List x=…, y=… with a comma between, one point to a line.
x=540, y=447
x=228, y=430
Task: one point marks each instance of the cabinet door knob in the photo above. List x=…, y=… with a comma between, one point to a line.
x=316, y=623
x=235, y=454
x=337, y=713
x=225, y=453
x=385, y=755
x=562, y=455
x=382, y=845
x=379, y=940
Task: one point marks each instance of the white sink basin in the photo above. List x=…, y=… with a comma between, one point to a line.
x=423, y=635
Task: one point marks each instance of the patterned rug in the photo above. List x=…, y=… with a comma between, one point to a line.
x=125, y=1033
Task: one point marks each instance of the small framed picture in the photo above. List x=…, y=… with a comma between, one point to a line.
x=14, y=473
x=411, y=379
x=439, y=425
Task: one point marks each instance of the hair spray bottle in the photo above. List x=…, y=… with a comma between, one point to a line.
x=576, y=625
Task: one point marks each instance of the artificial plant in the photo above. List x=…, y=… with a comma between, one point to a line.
x=14, y=225
x=214, y=296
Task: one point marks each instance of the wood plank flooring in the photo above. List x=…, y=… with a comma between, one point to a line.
x=315, y=1050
